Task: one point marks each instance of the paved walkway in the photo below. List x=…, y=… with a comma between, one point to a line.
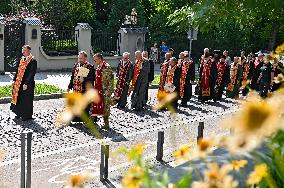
x=58, y=153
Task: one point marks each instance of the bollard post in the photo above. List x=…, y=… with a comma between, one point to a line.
x=26, y=159
x=160, y=143
x=104, y=162
x=23, y=160
x=200, y=130
x=29, y=160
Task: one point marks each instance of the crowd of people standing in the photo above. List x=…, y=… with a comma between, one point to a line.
x=216, y=76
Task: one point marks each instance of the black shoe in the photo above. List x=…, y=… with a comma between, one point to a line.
x=17, y=117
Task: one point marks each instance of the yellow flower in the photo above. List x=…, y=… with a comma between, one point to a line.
x=78, y=181
x=217, y=177
x=239, y=144
x=133, y=178
x=260, y=172
x=204, y=147
x=257, y=118
x=268, y=58
x=238, y=164
x=182, y=153
x=76, y=104
x=137, y=150
x=279, y=78
x=161, y=95
x=280, y=48
x=164, y=99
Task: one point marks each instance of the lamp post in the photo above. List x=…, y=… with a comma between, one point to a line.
x=191, y=35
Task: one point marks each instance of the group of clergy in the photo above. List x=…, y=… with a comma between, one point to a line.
x=216, y=75
x=132, y=79
x=246, y=72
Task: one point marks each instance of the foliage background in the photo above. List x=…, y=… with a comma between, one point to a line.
x=248, y=25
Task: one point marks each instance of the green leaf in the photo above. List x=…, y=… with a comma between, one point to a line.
x=185, y=181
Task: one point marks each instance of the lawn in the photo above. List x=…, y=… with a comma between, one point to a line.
x=6, y=91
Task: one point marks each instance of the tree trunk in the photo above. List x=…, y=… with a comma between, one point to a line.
x=274, y=32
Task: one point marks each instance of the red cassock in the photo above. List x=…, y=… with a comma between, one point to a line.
x=97, y=108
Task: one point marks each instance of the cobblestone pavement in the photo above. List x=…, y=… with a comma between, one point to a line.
x=57, y=153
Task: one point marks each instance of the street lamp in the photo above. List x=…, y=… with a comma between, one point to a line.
x=191, y=35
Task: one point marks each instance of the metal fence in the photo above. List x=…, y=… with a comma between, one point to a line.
x=106, y=43
x=59, y=42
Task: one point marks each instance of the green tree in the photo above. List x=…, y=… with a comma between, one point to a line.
x=207, y=15
x=121, y=8
x=4, y=7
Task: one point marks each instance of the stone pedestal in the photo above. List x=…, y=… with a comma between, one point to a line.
x=132, y=39
x=84, y=36
x=33, y=36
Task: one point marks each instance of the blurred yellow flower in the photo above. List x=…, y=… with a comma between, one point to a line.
x=182, y=153
x=280, y=48
x=217, y=177
x=269, y=58
x=279, y=78
x=238, y=164
x=76, y=103
x=78, y=181
x=204, y=147
x=137, y=150
x=164, y=99
x=257, y=118
x=260, y=172
x=161, y=95
x=239, y=144
x=133, y=178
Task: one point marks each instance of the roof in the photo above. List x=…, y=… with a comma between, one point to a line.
x=85, y=26
x=135, y=30
x=32, y=21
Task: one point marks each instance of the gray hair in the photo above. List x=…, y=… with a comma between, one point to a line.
x=125, y=54
x=84, y=53
x=137, y=52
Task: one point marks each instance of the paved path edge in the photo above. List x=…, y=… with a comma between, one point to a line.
x=5, y=100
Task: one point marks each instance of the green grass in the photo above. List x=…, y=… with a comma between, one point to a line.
x=6, y=91
x=156, y=80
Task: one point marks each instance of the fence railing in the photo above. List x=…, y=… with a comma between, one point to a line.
x=106, y=43
x=59, y=42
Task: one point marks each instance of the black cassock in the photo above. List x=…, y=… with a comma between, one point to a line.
x=265, y=79
x=176, y=82
x=150, y=77
x=138, y=96
x=254, y=75
x=121, y=103
x=24, y=106
x=190, y=76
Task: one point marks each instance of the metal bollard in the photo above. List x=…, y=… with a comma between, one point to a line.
x=200, y=130
x=104, y=162
x=160, y=143
x=26, y=168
